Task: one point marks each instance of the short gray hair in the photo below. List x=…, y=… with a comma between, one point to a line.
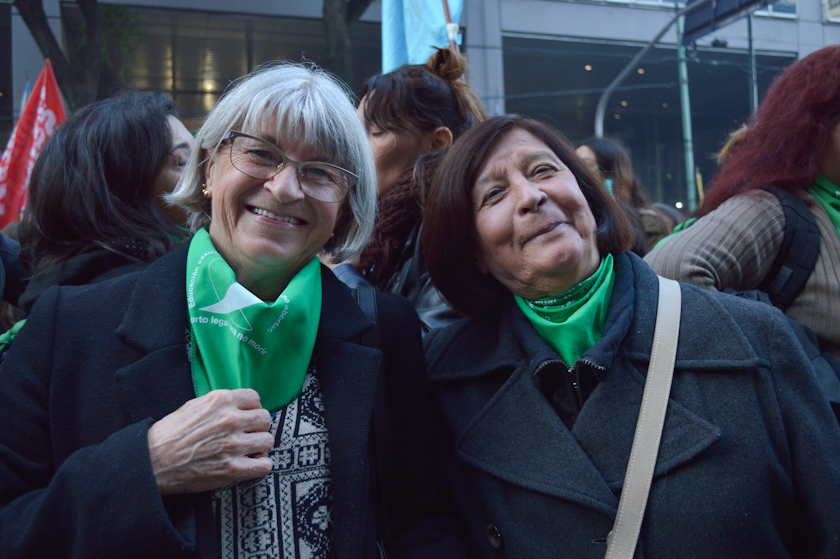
x=309, y=105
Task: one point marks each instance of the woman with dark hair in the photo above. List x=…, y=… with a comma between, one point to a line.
x=540, y=385
x=611, y=162
x=793, y=143
x=410, y=115
x=96, y=207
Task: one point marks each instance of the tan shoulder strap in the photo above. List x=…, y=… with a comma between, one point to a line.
x=621, y=543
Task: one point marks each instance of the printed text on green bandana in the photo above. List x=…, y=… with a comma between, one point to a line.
x=240, y=341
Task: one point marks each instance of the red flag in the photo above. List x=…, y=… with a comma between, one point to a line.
x=43, y=113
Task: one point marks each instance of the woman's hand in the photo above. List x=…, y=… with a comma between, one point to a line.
x=210, y=442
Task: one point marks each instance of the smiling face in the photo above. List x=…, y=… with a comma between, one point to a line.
x=394, y=151
x=535, y=232
x=182, y=142
x=267, y=230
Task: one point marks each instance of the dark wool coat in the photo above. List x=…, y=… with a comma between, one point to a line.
x=95, y=366
x=749, y=464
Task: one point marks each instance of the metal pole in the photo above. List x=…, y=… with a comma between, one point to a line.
x=688, y=144
x=605, y=96
x=753, y=79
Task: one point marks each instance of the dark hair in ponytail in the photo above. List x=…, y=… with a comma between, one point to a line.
x=419, y=98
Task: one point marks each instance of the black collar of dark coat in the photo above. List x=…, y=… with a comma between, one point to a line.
x=631, y=316
x=149, y=326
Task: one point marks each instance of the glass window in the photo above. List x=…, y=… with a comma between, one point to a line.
x=781, y=8
x=644, y=112
x=832, y=10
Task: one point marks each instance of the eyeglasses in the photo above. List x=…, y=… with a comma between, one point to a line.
x=262, y=160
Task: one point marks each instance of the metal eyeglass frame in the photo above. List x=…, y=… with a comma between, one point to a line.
x=286, y=160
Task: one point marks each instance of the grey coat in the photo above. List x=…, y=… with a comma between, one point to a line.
x=749, y=463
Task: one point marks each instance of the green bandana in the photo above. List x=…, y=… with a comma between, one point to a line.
x=9, y=335
x=573, y=322
x=828, y=194
x=239, y=341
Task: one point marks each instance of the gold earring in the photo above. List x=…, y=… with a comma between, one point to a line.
x=207, y=193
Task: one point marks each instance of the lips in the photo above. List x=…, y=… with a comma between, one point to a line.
x=280, y=218
x=542, y=231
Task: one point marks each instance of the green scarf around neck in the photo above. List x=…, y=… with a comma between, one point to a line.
x=574, y=321
x=828, y=194
x=240, y=341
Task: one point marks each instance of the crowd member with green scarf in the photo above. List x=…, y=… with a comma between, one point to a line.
x=540, y=385
x=220, y=402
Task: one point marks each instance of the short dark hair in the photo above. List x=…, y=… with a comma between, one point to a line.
x=93, y=181
x=449, y=220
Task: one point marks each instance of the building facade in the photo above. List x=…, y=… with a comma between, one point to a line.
x=549, y=59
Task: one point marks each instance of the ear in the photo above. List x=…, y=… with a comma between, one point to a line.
x=441, y=138
x=209, y=163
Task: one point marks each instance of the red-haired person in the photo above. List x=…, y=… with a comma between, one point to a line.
x=793, y=143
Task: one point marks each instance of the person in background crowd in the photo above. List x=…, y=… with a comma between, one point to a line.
x=410, y=115
x=96, y=208
x=540, y=386
x=612, y=163
x=792, y=142
x=13, y=275
x=735, y=139
x=256, y=438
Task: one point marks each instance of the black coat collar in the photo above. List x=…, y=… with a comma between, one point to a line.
x=159, y=382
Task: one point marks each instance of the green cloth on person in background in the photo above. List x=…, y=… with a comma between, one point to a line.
x=7, y=337
x=240, y=341
x=828, y=195
x=574, y=321
x=680, y=227
x=182, y=235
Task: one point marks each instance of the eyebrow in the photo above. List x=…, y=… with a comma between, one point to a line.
x=182, y=145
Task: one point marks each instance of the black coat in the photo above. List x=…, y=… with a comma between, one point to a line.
x=95, y=263
x=749, y=464
x=96, y=365
x=411, y=280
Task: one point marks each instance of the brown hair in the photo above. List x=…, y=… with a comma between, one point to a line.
x=614, y=163
x=449, y=227
x=419, y=98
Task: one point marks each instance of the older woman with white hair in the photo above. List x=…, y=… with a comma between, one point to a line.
x=220, y=402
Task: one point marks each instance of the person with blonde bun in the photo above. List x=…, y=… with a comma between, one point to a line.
x=411, y=116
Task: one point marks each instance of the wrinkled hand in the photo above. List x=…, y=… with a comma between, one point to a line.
x=211, y=442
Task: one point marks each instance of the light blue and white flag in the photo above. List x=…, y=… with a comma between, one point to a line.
x=411, y=29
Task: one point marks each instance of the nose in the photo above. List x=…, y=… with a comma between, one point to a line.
x=529, y=197
x=285, y=185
